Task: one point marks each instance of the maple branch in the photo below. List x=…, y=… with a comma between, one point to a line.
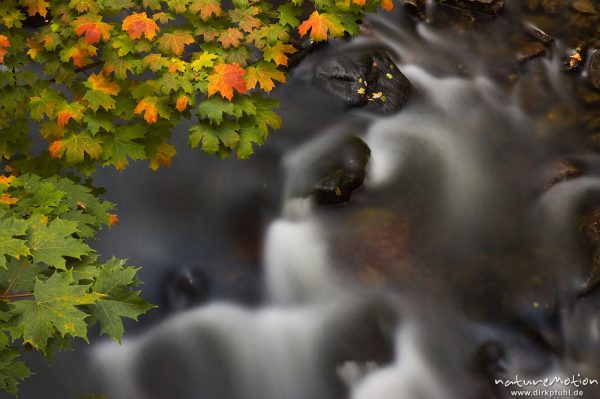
x=16, y=295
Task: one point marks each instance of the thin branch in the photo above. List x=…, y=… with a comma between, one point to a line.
x=16, y=295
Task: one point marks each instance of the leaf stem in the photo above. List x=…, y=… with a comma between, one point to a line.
x=16, y=295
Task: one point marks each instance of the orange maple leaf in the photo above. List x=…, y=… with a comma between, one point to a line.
x=6, y=180
x=231, y=38
x=34, y=48
x=54, y=149
x=278, y=53
x=8, y=199
x=147, y=106
x=112, y=219
x=63, y=117
x=4, y=43
x=93, y=29
x=101, y=83
x=320, y=25
x=175, y=42
x=138, y=24
x=263, y=74
x=182, y=103
x=387, y=5
x=80, y=53
x=36, y=7
x=206, y=8
x=164, y=153
x=226, y=78
x=359, y=2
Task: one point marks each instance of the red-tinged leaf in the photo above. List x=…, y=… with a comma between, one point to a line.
x=176, y=65
x=55, y=148
x=112, y=219
x=148, y=107
x=101, y=83
x=138, y=24
x=4, y=43
x=359, y=2
x=6, y=180
x=208, y=33
x=387, y=5
x=226, y=78
x=36, y=7
x=162, y=17
x=278, y=53
x=320, y=25
x=175, y=42
x=68, y=112
x=92, y=28
x=182, y=103
x=264, y=74
x=8, y=199
x=80, y=53
x=163, y=155
x=230, y=38
x=206, y=8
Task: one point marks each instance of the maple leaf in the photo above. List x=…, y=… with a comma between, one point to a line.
x=55, y=306
x=34, y=48
x=288, y=15
x=79, y=52
x=121, y=146
x=8, y=199
x=147, y=105
x=320, y=24
x=226, y=78
x=211, y=136
x=175, y=42
x=278, y=53
x=100, y=82
x=182, y=103
x=54, y=149
x=44, y=104
x=264, y=74
x=112, y=219
x=138, y=24
x=213, y=109
x=81, y=6
x=69, y=111
x=36, y=7
x=387, y=5
x=93, y=28
x=204, y=60
x=11, y=229
x=246, y=18
x=6, y=180
x=4, y=43
x=162, y=157
x=117, y=301
x=206, y=8
x=230, y=38
x=76, y=146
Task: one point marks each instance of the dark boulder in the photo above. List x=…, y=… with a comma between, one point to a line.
x=594, y=70
x=369, y=80
x=530, y=51
x=184, y=288
x=345, y=174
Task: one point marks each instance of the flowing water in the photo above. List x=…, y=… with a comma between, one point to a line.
x=458, y=263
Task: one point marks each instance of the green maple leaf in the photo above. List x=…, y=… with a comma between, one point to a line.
x=51, y=242
x=19, y=275
x=12, y=371
x=99, y=120
x=76, y=146
x=97, y=99
x=45, y=104
x=204, y=60
x=249, y=135
x=10, y=229
x=54, y=308
x=213, y=109
x=120, y=147
x=117, y=300
x=212, y=137
x=288, y=15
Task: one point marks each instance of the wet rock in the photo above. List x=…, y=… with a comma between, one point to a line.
x=560, y=171
x=538, y=34
x=530, y=51
x=594, y=70
x=416, y=8
x=365, y=80
x=346, y=173
x=490, y=7
x=184, y=288
x=590, y=227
